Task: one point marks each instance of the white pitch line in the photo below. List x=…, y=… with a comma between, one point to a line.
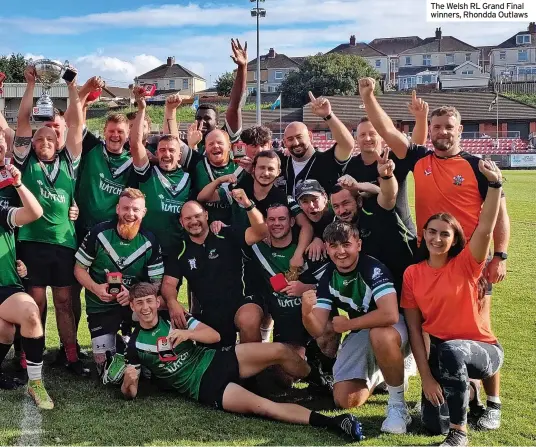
x=30, y=424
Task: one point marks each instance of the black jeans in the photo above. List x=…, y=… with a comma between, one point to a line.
x=452, y=364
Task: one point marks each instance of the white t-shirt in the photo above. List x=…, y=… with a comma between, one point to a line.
x=298, y=166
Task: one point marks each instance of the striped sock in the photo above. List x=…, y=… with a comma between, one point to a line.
x=34, y=370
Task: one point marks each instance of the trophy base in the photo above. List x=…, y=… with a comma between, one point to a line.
x=43, y=113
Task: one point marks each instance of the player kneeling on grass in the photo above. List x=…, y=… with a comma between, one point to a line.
x=211, y=376
x=17, y=307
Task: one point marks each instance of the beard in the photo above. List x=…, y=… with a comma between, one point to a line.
x=292, y=150
x=442, y=144
x=128, y=230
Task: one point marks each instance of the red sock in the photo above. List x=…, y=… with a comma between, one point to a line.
x=71, y=352
x=23, y=360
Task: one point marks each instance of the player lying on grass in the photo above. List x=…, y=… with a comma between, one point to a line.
x=212, y=377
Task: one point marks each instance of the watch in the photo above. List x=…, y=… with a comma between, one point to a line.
x=501, y=254
x=250, y=207
x=327, y=117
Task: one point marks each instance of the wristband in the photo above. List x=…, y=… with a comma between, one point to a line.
x=327, y=118
x=387, y=177
x=495, y=185
x=17, y=186
x=250, y=207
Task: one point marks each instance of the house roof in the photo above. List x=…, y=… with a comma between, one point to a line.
x=278, y=61
x=299, y=60
x=119, y=92
x=444, y=45
x=473, y=106
x=412, y=71
x=395, y=45
x=511, y=42
x=169, y=71
x=359, y=49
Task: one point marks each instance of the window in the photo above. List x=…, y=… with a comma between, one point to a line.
x=271, y=89
x=426, y=79
x=278, y=75
x=467, y=72
x=378, y=63
x=251, y=90
x=408, y=60
x=502, y=55
x=185, y=84
x=522, y=39
x=450, y=58
x=171, y=84
x=522, y=56
x=427, y=59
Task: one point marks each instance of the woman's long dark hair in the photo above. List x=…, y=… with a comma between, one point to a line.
x=456, y=248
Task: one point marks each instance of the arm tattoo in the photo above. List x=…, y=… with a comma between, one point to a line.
x=22, y=141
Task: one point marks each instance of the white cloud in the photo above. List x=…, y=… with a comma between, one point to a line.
x=116, y=71
x=33, y=57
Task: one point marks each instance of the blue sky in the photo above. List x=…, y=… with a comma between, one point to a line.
x=119, y=39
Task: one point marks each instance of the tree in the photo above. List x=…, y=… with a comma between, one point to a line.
x=224, y=84
x=13, y=66
x=327, y=75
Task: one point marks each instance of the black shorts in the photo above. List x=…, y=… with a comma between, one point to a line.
x=47, y=264
x=222, y=321
x=221, y=372
x=255, y=298
x=109, y=322
x=7, y=291
x=288, y=328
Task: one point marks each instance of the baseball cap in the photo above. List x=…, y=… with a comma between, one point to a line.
x=309, y=187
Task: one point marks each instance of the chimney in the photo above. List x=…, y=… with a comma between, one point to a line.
x=438, y=33
x=352, y=40
x=532, y=27
x=271, y=53
x=170, y=61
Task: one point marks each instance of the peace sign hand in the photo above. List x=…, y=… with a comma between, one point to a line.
x=386, y=166
x=320, y=106
x=240, y=54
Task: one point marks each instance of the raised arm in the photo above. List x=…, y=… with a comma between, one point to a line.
x=210, y=192
x=31, y=210
x=481, y=238
x=496, y=269
x=170, y=125
x=23, y=134
x=419, y=109
x=258, y=229
x=9, y=133
x=345, y=141
x=380, y=120
x=76, y=122
x=94, y=83
x=137, y=149
x=304, y=239
x=388, y=183
x=233, y=116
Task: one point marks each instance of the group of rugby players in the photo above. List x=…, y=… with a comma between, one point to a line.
x=272, y=246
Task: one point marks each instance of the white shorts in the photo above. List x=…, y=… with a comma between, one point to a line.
x=355, y=359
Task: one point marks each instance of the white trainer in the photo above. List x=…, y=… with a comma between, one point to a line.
x=397, y=420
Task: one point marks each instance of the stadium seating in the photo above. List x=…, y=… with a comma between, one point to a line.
x=482, y=146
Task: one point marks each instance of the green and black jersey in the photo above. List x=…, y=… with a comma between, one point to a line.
x=206, y=173
x=9, y=197
x=105, y=251
x=53, y=184
x=165, y=194
x=8, y=257
x=271, y=261
x=183, y=374
x=355, y=292
x=103, y=176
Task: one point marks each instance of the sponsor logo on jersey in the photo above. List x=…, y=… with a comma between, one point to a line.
x=110, y=187
x=192, y=263
x=212, y=254
x=293, y=302
x=365, y=233
x=170, y=206
x=376, y=273
x=4, y=203
x=428, y=171
x=48, y=194
x=277, y=255
x=348, y=281
x=177, y=364
x=458, y=180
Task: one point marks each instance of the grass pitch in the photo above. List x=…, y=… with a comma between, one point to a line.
x=88, y=414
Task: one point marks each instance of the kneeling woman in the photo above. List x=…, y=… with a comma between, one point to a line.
x=441, y=296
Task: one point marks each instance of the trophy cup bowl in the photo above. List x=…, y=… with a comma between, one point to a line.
x=47, y=72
